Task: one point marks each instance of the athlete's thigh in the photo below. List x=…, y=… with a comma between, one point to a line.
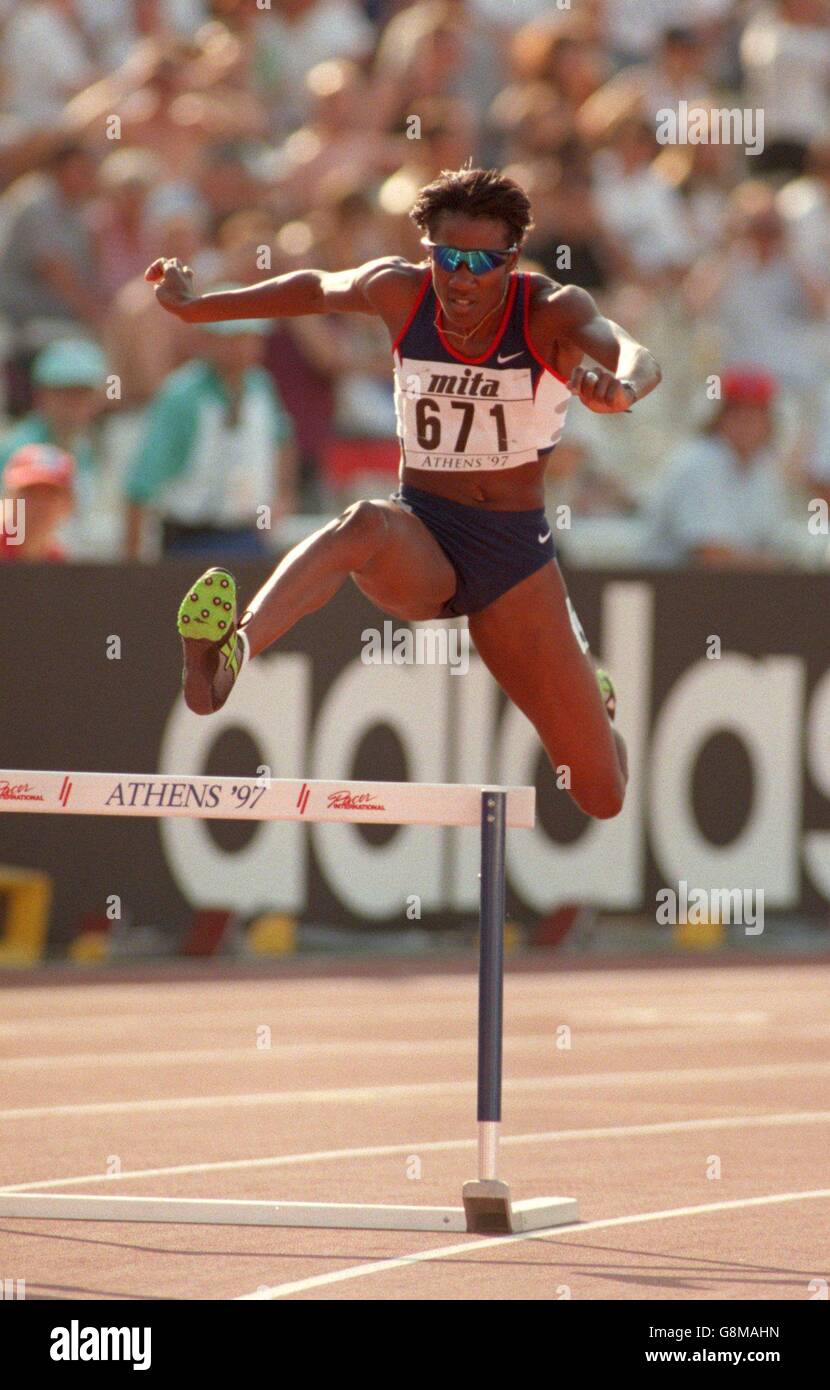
x=527, y=641
x=408, y=576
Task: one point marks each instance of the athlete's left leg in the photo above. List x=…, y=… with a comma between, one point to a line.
x=527, y=641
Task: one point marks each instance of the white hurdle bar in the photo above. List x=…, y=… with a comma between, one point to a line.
x=487, y=1204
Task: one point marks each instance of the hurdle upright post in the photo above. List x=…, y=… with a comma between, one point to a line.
x=488, y=1206
x=491, y=980
x=487, y=1201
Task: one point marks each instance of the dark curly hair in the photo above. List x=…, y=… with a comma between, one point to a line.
x=475, y=193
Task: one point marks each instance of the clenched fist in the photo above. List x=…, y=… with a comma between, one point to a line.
x=601, y=391
x=174, y=284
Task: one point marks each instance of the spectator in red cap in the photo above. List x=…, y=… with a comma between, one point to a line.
x=721, y=501
x=38, y=496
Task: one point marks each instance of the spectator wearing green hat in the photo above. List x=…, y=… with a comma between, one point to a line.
x=216, y=463
x=68, y=378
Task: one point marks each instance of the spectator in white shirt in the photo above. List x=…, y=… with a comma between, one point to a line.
x=45, y=61
x=638, y=206
x=675, y=73
x=764, y=307
x=295, y=35
x=785, y=52
x=721, y=502
x=804, y=203
x=633, y=28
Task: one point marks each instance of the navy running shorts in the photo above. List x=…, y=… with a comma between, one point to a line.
x=490, y=551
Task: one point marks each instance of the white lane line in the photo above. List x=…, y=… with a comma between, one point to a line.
x=374, y=1094
x=459, y=1007
x=277, y=1052
x=475, y=1243
x=367, y=1047
x=554, y=1136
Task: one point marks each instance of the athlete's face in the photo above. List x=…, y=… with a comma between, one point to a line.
x=466, y=298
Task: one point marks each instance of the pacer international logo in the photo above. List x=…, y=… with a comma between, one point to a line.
x=347, y=801
x=18, y=791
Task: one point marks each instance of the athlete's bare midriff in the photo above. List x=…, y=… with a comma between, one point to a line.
x=517, y=490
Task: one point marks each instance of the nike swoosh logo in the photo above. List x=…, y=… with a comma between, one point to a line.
x=511, y=358
x=544, y=538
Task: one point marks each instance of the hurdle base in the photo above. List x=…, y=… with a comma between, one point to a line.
x=522, y=1216
x=490, y=1211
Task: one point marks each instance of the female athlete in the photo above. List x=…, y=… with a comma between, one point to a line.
x=486, y=361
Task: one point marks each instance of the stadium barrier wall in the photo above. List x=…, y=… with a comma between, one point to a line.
x=724, y=693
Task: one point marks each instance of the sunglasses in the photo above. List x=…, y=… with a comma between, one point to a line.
x=477, y=262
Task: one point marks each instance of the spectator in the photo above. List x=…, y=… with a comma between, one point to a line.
x=38, y=487
x=580, y=479
x=433, y=49
x=446, y=139
x=68, y=379
x=46, y=59
x=530, y=119
x=213, y=463
x=115, y=27
x=519, y=12
x=677, y=73
x=122, y=245
x=765, y=308
x=704, y=176
x=561, y=50
x=244, y=241
x=228, y=181
x=47, y=263
x=818, y=462
x=785, y=50
x=721, y=502
x=569, y=240
x=638, y=207
x=170, y=98
x=142, y=347
x=353, y=351
x=633, y=29
x=143, y=350
x=289, y=127
x=804, y=204
x=297, y=34
x=339, y=137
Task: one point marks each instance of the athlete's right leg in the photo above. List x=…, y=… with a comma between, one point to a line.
x=390, y=554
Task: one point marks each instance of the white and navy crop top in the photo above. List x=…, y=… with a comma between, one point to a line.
x=458, y=413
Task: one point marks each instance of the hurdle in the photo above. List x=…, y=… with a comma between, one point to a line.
x=487, y=1206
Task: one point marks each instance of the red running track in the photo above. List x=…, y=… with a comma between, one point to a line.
x=688, y=1109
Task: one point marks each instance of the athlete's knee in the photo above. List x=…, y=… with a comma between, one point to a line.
x=609, y=803
x=601, y=796
x=366, y=525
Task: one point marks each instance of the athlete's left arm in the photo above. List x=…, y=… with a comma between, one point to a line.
x=569, y=314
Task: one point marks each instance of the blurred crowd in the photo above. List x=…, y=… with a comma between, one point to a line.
x=251, y=138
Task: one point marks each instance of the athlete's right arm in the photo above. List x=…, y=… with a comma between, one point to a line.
x=379, y=287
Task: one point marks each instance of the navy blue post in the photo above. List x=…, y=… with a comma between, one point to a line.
x=491, y=959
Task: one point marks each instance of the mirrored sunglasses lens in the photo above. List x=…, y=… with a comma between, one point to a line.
x=478, y=262
x=447, y=257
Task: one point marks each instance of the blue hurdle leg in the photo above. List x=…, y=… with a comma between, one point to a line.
x=491, y=977
x=488, y=1207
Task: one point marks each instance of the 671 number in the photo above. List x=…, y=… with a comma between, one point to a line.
x=428, y=424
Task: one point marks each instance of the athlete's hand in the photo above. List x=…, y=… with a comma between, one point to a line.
x=601, y=390
x=174, y=284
